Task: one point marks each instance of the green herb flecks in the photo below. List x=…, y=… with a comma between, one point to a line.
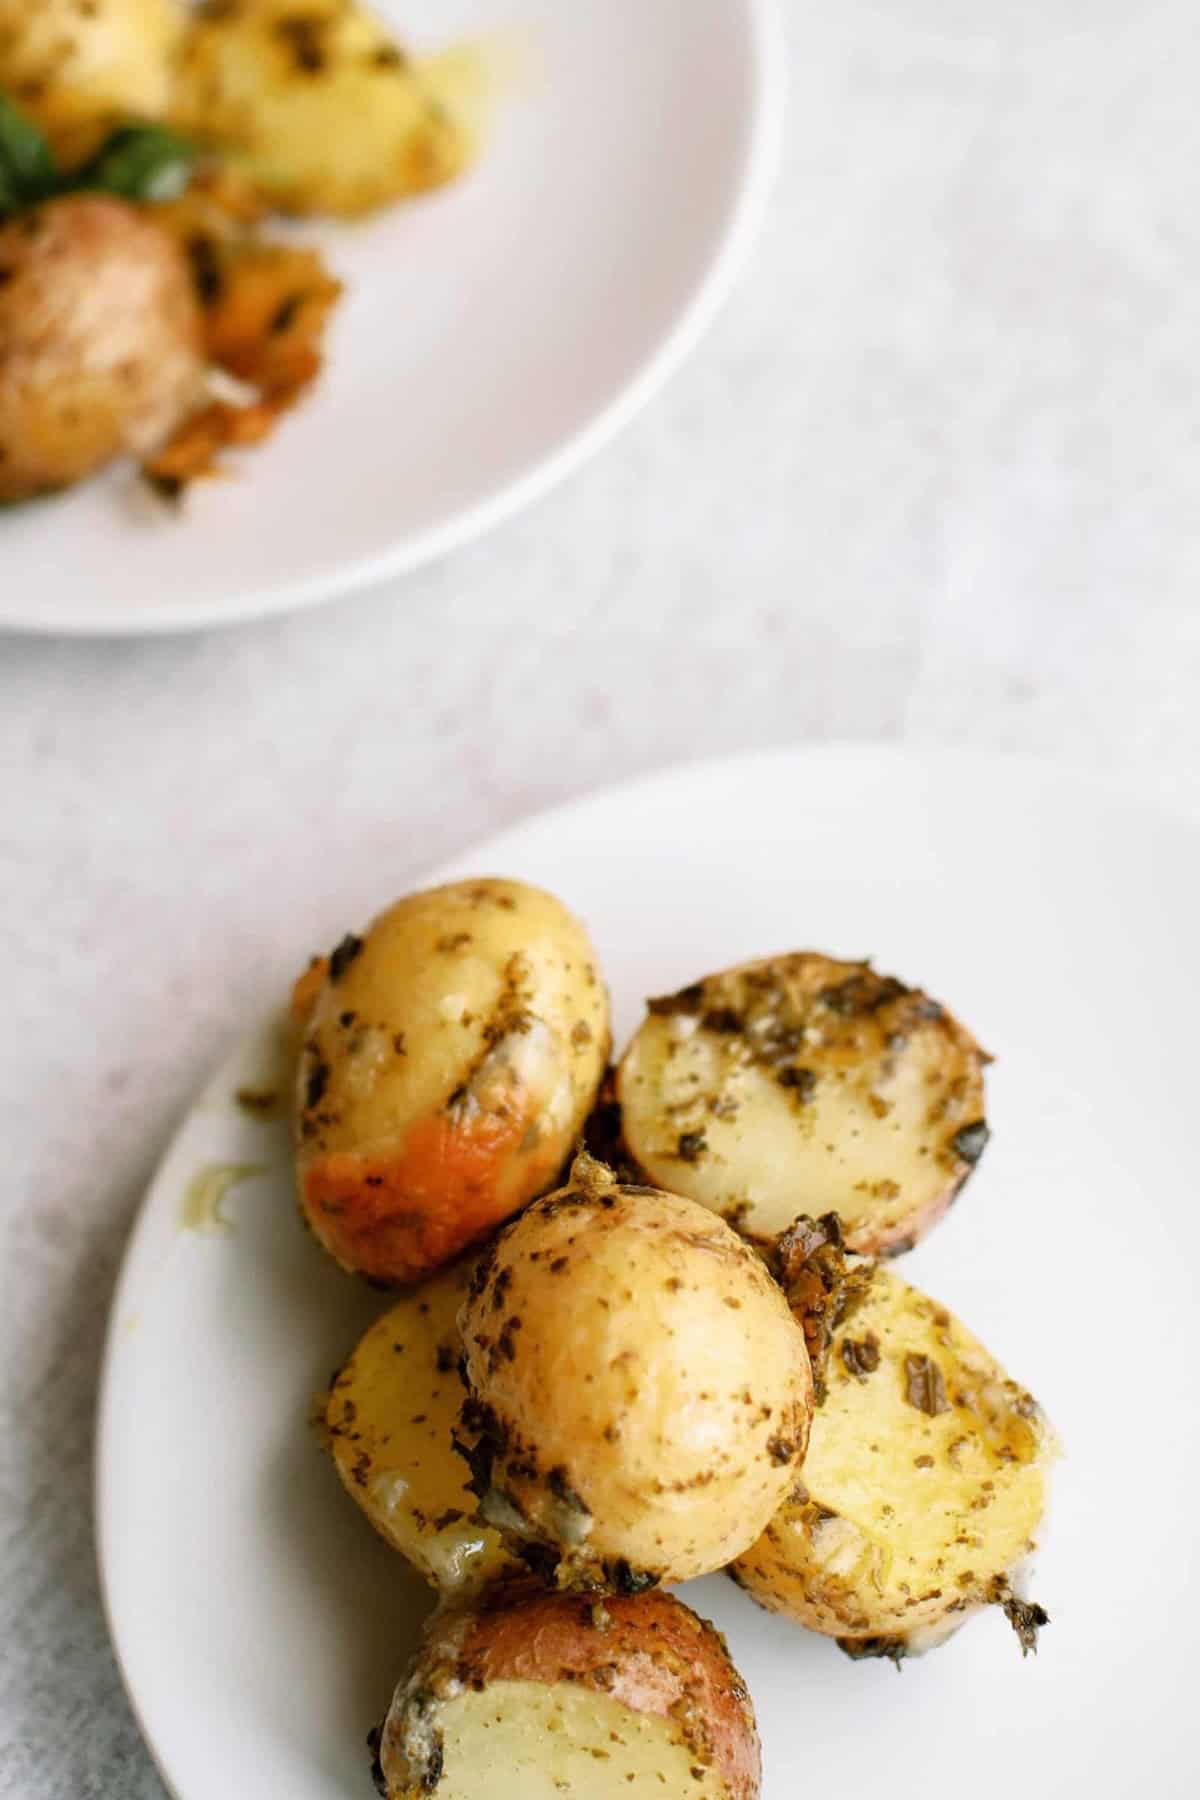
x=135, y=162
x=28, y=171
x=140, y=162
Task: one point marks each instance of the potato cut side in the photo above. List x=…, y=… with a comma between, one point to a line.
x=923, y=1490
x=804, y=1085
x=518, y=1741
x=534, y=1697
x=391, y=1415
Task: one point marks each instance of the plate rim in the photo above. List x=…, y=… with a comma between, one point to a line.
x=845, y=753
x=696, y=313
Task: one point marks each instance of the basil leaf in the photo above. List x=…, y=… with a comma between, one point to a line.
x=140, y=162
x=28, y=172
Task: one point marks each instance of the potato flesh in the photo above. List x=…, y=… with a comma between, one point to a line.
x=522, y=1740
x=79, y=70
x=323, y=109
x=905, y=1520
x=806, y=1085
x=391, y=1415
x=448, y=1064
x=637, y=1359
x=546, y=1657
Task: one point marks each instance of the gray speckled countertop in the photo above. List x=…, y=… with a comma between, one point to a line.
x=932, y=477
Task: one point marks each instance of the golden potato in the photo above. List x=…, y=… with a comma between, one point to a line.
x=530, y=1696
x=923, y=1491
x=801, y=1084
x=319, y=104
x=100, y=341
x=639, y=1391
x=78, y=69
x=392, y=1416
x=449, y=1060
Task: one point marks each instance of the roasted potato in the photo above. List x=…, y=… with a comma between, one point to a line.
x=80, y=67
x=100, y=344
x=392, y=1416
x=319, y=104
x=532, y=1696
x=923, y=1490
x=449, y=1060
x=801, y=1084
x=639, y=1392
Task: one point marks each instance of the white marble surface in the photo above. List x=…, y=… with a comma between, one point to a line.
x=933, y=477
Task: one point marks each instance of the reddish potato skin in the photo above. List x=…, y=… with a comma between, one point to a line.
x=648, y=1651
x=400, y=1215
x=447, y=1060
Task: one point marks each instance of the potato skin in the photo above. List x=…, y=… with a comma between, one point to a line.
x=79, y=70
x=803, y=1084
x=924, y=1487
x=449, y=1059
x=640, y=1394
x=99, y=341
x=391, y=1416
x=318, y=104
x=647, y=1652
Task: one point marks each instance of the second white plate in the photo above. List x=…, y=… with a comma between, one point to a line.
x=260, y=1624
x=491, y=336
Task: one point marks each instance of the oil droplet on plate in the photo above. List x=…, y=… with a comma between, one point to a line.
x=206, y=1193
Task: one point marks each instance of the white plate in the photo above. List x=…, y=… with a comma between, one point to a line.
x=261, y=1625
x=492, y=335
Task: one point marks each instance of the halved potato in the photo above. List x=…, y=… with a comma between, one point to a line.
x=392, y=1415
x=80, y=67
x=320, y=105
x=532, y=1696
x=923, y=1491
x=449, y=1060
x=639, y=1391
x=804, y=1085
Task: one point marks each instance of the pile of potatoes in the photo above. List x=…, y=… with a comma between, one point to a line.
x=605, y=1377
x=113, y=307
x=314, y=99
